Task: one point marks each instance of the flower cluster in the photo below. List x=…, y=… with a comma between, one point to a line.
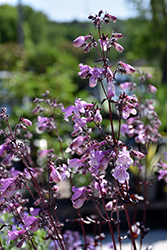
x=103, y=158
x=144, y=124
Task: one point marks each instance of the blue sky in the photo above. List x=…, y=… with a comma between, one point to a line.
x=68, y=10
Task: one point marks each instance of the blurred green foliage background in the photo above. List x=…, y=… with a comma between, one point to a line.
x=42, y=57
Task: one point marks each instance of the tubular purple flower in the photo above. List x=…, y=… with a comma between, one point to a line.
x=68, y=112
x=77, y=142
x=44, y=123
x=5, y=146
x=109, y=206
x=124, y=158
x=121, y=174
x=118, y=47
x=98, y=117
x=125, y=129
x=31, y=223
x=27, y=122
x=85, y=71
x=13, y=235
x=79, y=196
x=125, y=85
x=76, y=163
x=34, y=211
x=79, y=41
x=54, y=175
x=95, y=74
x=148, y=76
x=137, y=154
x=128, y=68
x=7, y=160
x=45, y=152
x=110, y=89
x=109, y=73
x=151, y=88
x=103, y=43
x=118, y=35
x=112, y=18
x=8, y=187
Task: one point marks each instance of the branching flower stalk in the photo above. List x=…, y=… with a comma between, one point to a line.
x=104, y=160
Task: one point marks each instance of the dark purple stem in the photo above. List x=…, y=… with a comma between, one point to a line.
x=112, y=128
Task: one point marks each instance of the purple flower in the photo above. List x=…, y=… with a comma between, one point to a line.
x=14, y=235
x=79, y=41
x=124, y=129
x=80, y=106
x=109, y=73
x=124, y=158
x=130, y=85
x=130, y=106
x=95, y=74
x=99, y=186
x=72, y=240
x=4, y=147
x=80, y=123
x=68, y=112
x=137, y=154
x=103, y=43
x=109, y=206
x=76, y=163
x=151, y=88
x=8, y=187
x=45, y=152
x=27, y=122
x=77, y=142
x=111, y=17
x=7, y=160
x=45, y=123
x=85, y=71
x=121, y=174
x=98, y=117
x=110, y=89
x=97, y=161
x=54, y=175
x=31, y=223
x=34, y=211
x=118, y=47
x=79, y=196
x=128, y=68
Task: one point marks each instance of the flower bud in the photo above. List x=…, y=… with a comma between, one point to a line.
x=151, y=88
x=109, y=206
x=79, y=41
x=27, y=122
x=110, y=89
x=112, y=18
x=118, y=47
x=98, y=117
x=109, y=73
x=118, y=35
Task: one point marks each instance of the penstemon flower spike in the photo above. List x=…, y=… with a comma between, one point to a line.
x=104, y=160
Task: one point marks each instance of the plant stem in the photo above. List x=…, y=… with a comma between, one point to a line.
x=79, y=215
x=43, y=201
x=111, y=121
x=108, y=219
x=130, y=227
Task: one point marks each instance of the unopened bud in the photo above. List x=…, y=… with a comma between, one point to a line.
x=79, y=41
x=118, y=47
x=27, y=122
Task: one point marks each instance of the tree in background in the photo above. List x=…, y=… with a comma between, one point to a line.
x=153, y=34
